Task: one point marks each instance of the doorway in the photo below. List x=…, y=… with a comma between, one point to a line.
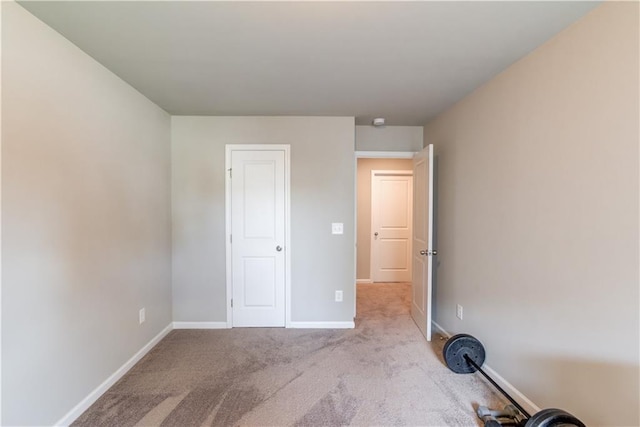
x=422, y=249
x=365, y=234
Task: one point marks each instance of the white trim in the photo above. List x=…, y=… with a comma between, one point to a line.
x=200, y=325
x=355, y=235
x=441, y=329
x=85, y=403
x=287, y=234
x=531, y=407
x=227, y=233
x=322, y=325
x=364, y=281
x=385, y=172
x=287, y=227
x=384, y=154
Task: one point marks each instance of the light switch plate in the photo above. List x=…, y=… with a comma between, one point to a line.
x=337, y=228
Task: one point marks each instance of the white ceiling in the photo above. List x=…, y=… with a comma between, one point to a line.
x=406, y=61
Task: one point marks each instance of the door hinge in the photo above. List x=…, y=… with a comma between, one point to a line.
x=230, y=173
x=230, y=238
x=231, y=302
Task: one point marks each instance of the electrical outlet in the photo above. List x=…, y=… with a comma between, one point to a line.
x=142, y=315
x=459, y=311
x=338, y=296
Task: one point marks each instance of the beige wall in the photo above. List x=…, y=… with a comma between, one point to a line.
x=85, y=219
x=322, y=192
x=538, y=219
x=365, y=166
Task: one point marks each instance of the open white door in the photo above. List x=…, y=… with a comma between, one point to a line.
x=423, y=250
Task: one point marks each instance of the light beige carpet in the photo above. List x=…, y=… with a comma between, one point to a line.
x=383, y=372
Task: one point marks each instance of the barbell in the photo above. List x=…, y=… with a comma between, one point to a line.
x=464, y=354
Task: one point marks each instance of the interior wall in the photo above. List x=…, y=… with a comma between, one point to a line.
x=85, y=217
x=365, y=166
x=389, y=138
x=322, y=192
x=538, y=218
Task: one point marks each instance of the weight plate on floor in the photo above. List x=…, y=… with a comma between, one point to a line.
x=455, y=349
x=553, y=418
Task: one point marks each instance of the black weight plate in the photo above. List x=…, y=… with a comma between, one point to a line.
x=456, y=347
x=553, y=418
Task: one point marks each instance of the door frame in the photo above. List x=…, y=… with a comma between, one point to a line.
x=229, y=148
x=367, y=155
x=384, y=172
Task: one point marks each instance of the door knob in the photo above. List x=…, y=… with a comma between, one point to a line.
x=423, y=252
x=375, y=234
x=278, y=248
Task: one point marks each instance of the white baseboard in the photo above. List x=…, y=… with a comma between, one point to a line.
x=523, y=400
x=200, y=325
x=299, y=325
x=322, y=325
x=441, y=329
x=73, y=414
x=364, y=281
